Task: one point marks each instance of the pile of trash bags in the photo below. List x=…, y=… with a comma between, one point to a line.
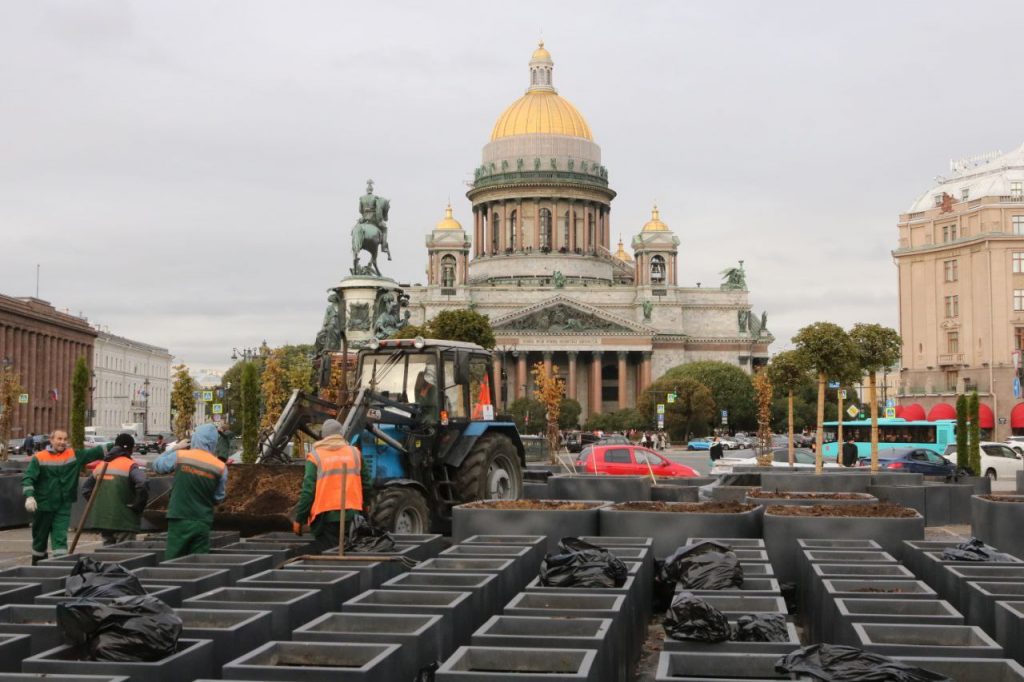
x=974, y=550
x=832, y=663
x=581, y=564
x=701, y=565
x=694, y=619
x=364, y=538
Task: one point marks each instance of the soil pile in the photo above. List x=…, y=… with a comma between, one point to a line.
x=782, y=495
x=882, y=511
x=542, y=505
x=1003, y=498
x=257, y=490
x=686, y=507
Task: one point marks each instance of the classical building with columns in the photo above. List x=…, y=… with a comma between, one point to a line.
x=539, y=261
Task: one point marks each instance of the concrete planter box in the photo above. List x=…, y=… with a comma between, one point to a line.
x=289, y=608
x=759, y=587
x=888, y=612
x=674, y=493
x=535, y=490
x=1009, y=618
x=895, y=478
x=537, y=544
x=49, y=578
x=154, y=546
x=955, y=578
x=610, y=541
x=427, y=544
x=936, y=573
x=334, y=587
x=488, y=664
x=701, y=667
x=371, y=573
x=848, y=556
x=913, y=496
x=914, y=549
x=670, y=529
x=947, y=503
x=735, y=605
x=735, y=543
x=277, y=551
x=998, y=523
x=483, y=586
x=218, y=538
x=19, y=593
x=40, y=677
x=809, y=588
x=801, y=481
x=926, y=640
x=732, y=493
x=806, y=499
x=599, y=487
x=168, y=594
x=454, y=607
x=482, y=518
x=792, y=643
x=504, y=569
x=982, y=485
x=1020, y=482
x=982, y=598
x=781, y=533
x=824, y=612
x=237, y=565
x=13, y=648
x=12, y=502
x=194, y=658
x=968, y=669
x=316, y=662
x=686, y=481
x=553, y=633
x=39, y=622
x=191, y=581
x=232, y=633
x=520, y=557
x=826, y=543
x=418, y=636
x=129, y=560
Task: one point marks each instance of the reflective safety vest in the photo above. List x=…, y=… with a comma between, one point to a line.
x=196, y=476
x=110, y=510
x=329, y=462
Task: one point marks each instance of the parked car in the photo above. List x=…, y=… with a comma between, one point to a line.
x=699, y=444
x=998, y=461
x=803, y=458
x=729, y=443
x=912, y=460
x=629, y=460
x=1016, y=444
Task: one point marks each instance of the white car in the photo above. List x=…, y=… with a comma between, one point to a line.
x=1016, y=443
x=999, y=461
x=802, y=457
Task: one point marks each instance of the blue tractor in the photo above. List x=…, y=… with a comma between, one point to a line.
x=423, y=417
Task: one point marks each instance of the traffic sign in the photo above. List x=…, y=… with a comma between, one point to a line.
x=661, y=421
x=671, y=397
x=853, y=411
x=890, y=413
x=207, y=396
x=218, y=408
x=891, y=402
x=842, y=394
x=661, y=408
x=23, y=398
x=1016, y=387
x=725, y=416
x=833, y=384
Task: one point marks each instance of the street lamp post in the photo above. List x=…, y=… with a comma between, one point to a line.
x=245, y=354
x=145, y=397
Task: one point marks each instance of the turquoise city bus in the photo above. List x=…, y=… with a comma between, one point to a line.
x=892, y=433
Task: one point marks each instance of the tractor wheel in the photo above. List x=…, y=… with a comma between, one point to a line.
x=491, y=471
x=400, y=510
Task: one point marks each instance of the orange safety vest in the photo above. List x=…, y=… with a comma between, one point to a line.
x=329, y=462
x=119, y=466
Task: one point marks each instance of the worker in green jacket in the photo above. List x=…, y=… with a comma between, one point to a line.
x=121, y=497
x=50, y=485
x=200, y=483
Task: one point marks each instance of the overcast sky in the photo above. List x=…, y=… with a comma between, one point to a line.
x=187, y=173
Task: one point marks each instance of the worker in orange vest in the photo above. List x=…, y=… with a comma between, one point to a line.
x=319, y=504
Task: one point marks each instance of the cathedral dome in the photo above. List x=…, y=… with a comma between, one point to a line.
x=655, y=224
x=448, y=222
x=621, y=253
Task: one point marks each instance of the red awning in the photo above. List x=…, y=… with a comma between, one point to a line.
x=1017, y=416
x=941, y=411
x=913, y=412
x=986, y=420
x=899, y=411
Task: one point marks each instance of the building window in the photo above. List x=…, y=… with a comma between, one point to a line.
x=1018, y=299
x=938, y=199
x=952, y=342
x=448, y=271
x=951, y=379
x=1018, y=338
x=592, y=228
x=952, y=306
x=950, y=269
x=495, y=232
x=512, y=230
x=657, y=270
x=567, y=227
x=1018, y=261
x=1017, y=190
x=545, y=228
x=964, y=193
x=1018, y=224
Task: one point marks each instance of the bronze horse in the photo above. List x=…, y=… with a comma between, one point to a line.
x=371, y=236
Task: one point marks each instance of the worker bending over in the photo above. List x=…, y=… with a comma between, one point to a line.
x=320, y=500
x=122, y=495
x=200, y=483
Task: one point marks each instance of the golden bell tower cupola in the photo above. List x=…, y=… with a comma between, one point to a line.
x=448, y=252
x=541, y=68
x=656, y=249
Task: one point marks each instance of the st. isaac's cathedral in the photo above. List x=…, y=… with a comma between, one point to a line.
x=539, y=261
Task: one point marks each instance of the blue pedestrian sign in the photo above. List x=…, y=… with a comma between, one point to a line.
x=833, y=384
x=891, y=402
x=1016, y=387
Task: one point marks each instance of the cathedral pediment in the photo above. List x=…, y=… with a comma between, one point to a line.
x=561, y=315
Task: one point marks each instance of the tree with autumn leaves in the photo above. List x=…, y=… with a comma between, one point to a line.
x=550, y=391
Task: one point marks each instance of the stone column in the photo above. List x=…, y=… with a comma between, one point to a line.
x=496, y=379
x=595, y=383
x=646, y=370
x=570, y=389
x=623, y=396
x=548, y=364
x=520, y=391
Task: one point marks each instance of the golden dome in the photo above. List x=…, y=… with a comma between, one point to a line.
x=540, y=52
x=448, y=222
x=655, y=224
x=621, y=253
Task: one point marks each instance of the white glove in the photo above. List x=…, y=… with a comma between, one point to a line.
x=30, y=504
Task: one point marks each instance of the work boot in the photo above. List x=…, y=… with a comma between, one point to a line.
x=37, y=559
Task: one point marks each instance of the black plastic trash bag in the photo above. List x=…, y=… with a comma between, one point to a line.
x=692, y=618
x=686, y=567
x=125, y=629
x=581, y=564
x=362, y=537
x=974, y=550
x=91, y=579
x=761, y=627
x=846, y=664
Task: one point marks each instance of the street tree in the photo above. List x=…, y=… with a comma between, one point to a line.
x=974, y=435
x=731, y=388
x=454, y=325
x=79, y=391
x=10, y=389
x=828, y=351
x=250, y=413
x=183, y=401
x=273, y=388
x=963, y=453
x=876, y=347
x=763, y=390
x=569, y=413
x=788, y=371
x=528, y=414
x=690, y=412
x=550, y=391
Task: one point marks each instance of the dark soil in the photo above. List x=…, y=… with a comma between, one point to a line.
x=782, y=495
x=685, y=507
x=530, y=505
x=881, y=511
x=257, y=490
x=887, y=590
x=1003, y=498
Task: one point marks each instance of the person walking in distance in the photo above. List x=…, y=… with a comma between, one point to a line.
x=200, y=483
x=849, y=452
x=50, y=485
x=716, y=449
x=121, y=497
x=319, y=503
x=29, y=446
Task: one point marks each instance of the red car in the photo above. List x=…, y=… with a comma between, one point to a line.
x=629, y=460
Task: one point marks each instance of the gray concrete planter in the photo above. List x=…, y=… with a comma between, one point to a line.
x=483, y=586
x=762, y=587
x=926, y=640
x=232, y=633
x=702, y=666
x=552, y=633
x=611, y=541
x=936, y=573
x=599, y=487
x=371, y=573
x=827, y=543
x=38, y=622
x=417, y=635
x=238, y=565
x=289, y=608
x=484, y=664
x=503, y=569
x=335, y=587
x=765, y=499
x=731, y=493
x=427, y=544
x=824, y=611
x=671, y=524
x=535, y=491
x=455, y=607
x=192, y=581
x=809, y=589
x=1020, y=482
x=955, y=578
x=888, y=612
x=19, y=593
x=521, y=558
x=553, y=519
x=129, y=560
x=316, y=662
x=968, y=669
x=49, y=578
x=168, y=594
x=674, y=493
x=998, y=522
x=277, y=551
x=194, y=658
x=218, y=538
x=13, y=648
x=735, y=543
x=982, y=598
x=792, y=643
x=155, y=546
x=1009, y=618
x=734, y=605
x=912, y=496
x=808, y=481
x=982, y=485
x=895, y=478
x=913, y=552
x=537, y=544
x=12, y=502
x=686, y=481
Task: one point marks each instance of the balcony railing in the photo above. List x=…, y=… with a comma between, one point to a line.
x=951, y=359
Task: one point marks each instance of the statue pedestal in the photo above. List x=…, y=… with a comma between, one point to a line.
x=362, y=302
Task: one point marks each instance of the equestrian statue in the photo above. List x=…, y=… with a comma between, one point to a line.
x=371, y=232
